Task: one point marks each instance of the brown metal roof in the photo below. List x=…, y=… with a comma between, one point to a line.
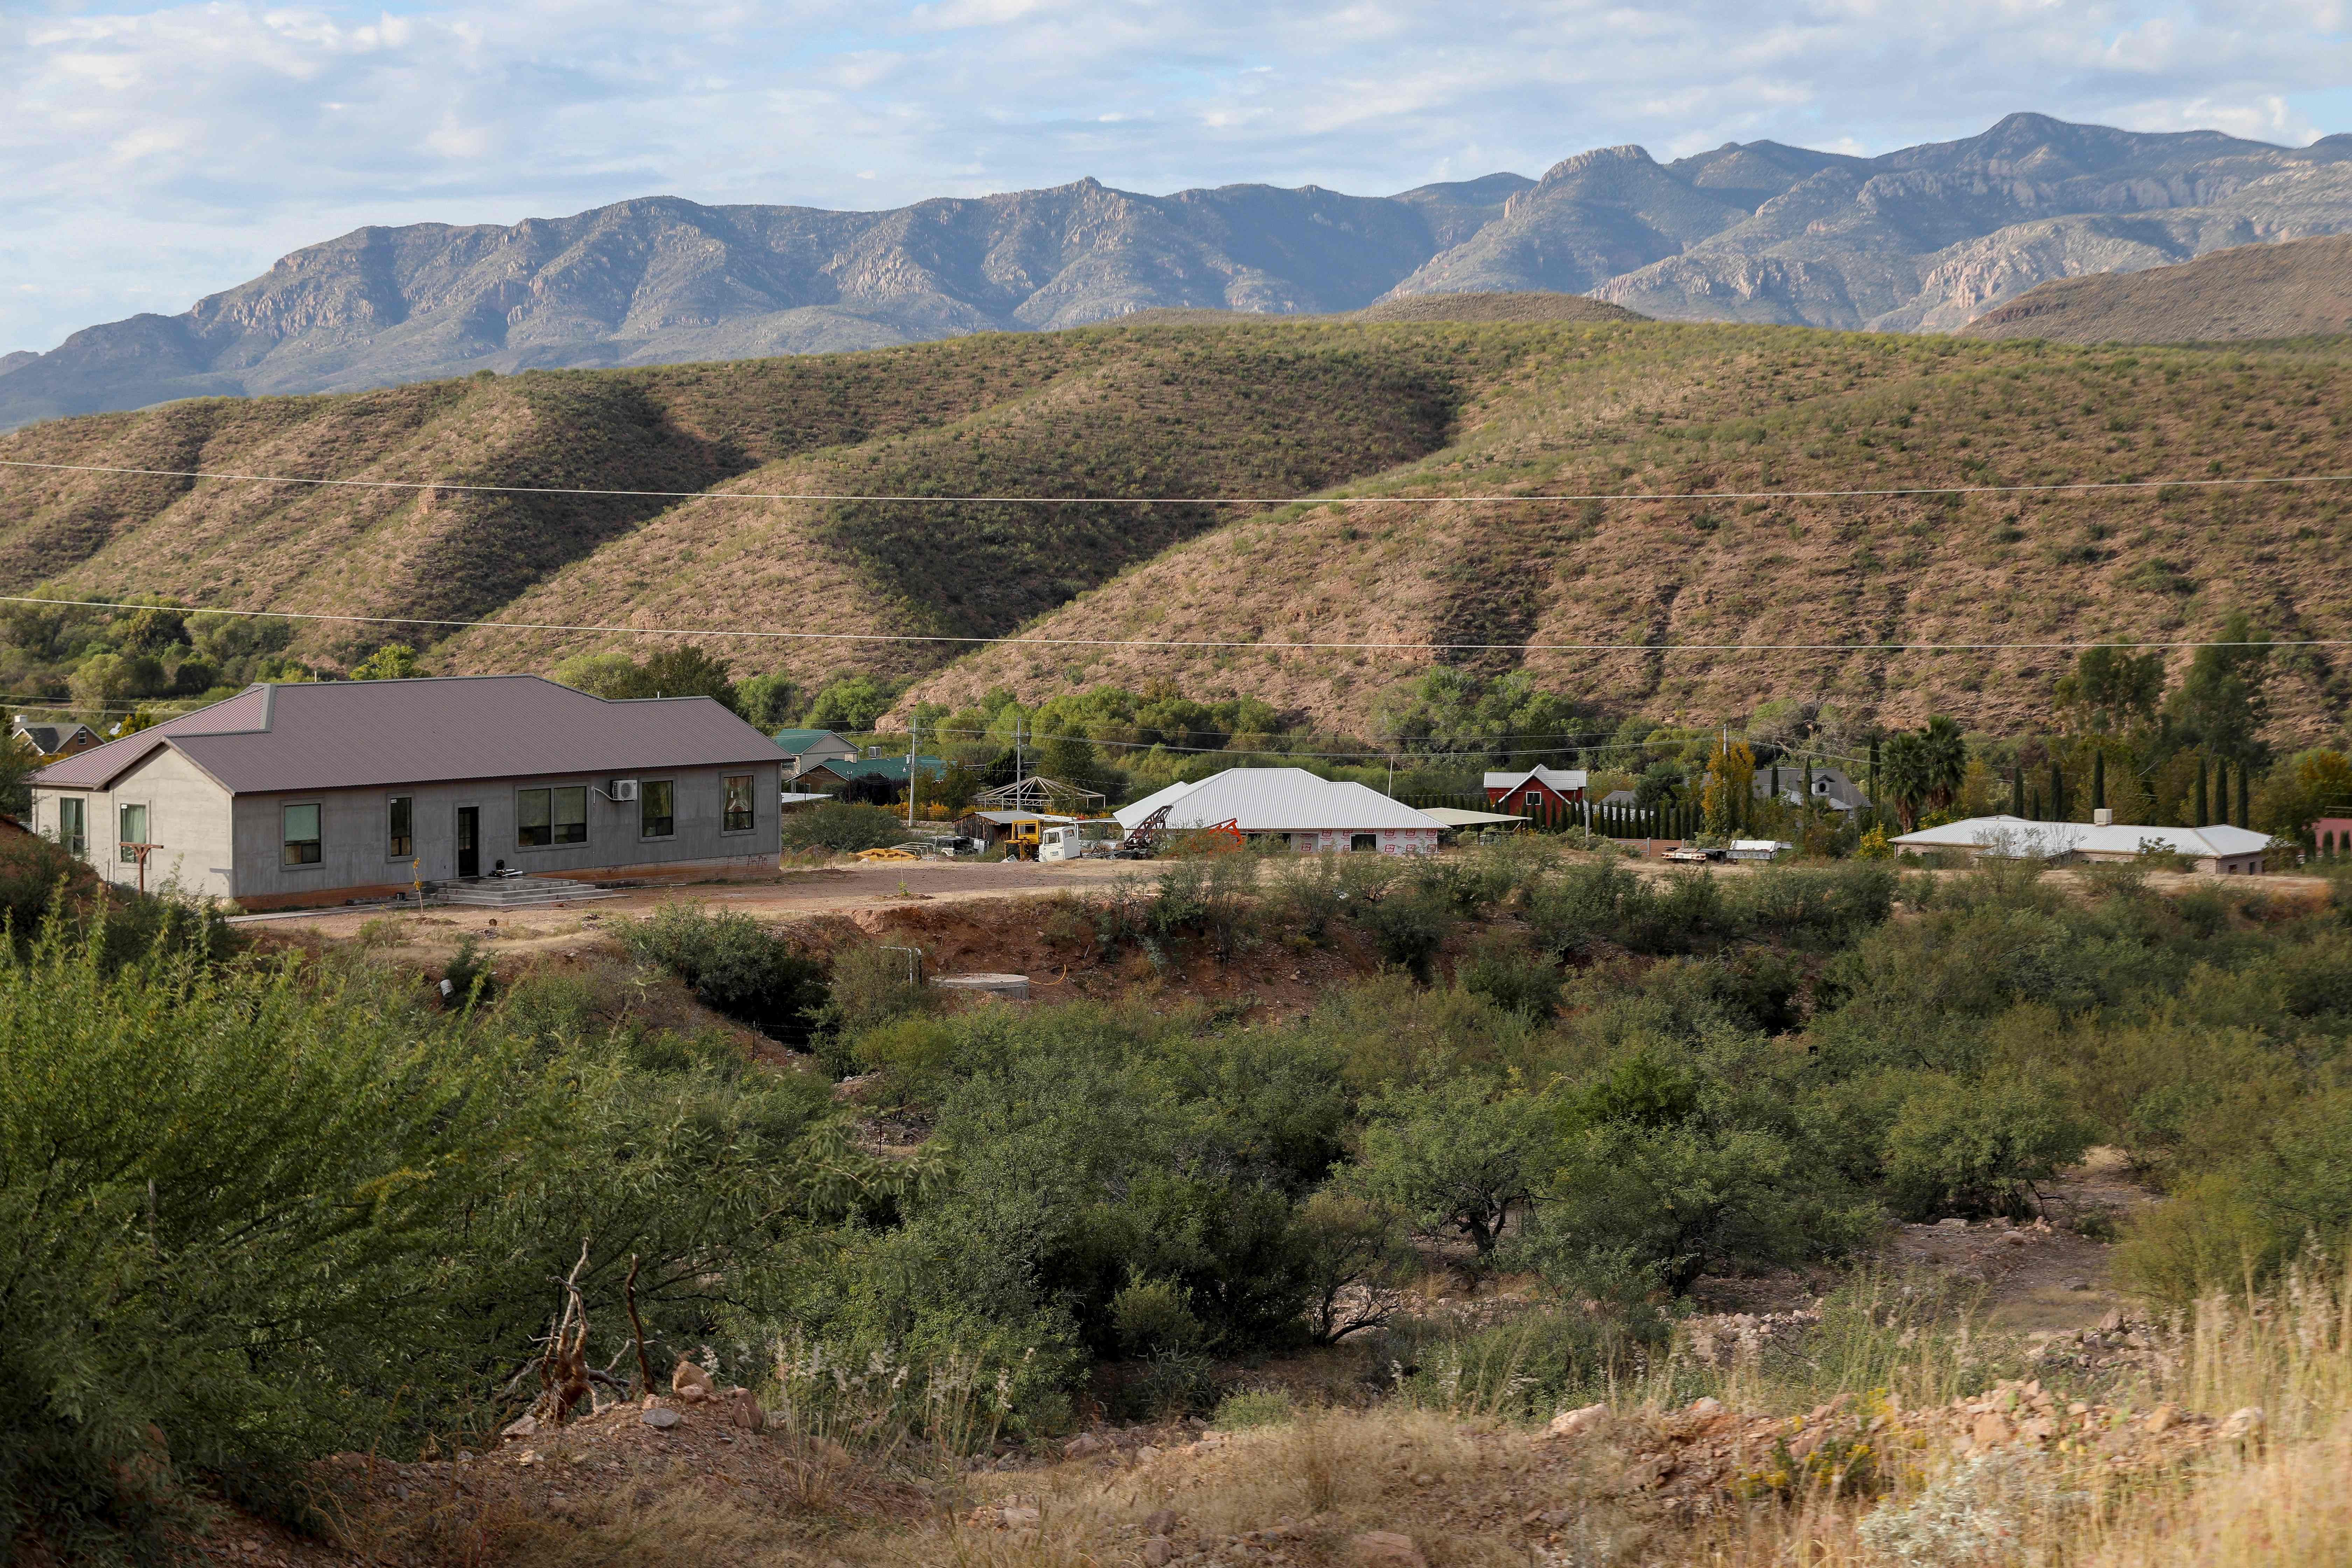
x=352, y=734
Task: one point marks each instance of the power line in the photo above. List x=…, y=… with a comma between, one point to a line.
x=1181, y=643
x=2069, y=486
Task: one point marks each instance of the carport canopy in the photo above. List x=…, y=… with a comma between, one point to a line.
x=1452, y=817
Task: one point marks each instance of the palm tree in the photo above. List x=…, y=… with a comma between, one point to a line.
x=1945, y=756
x=1903, y=775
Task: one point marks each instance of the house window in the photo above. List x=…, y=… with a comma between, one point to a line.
x=1363, y=843
x=301, y=835
x=132, y=821
x=657, y=808
x=737, y=818
x=73, y=825
x=545, y=817
x=400, y=837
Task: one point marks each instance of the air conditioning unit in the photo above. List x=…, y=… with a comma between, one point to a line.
x=624, y=790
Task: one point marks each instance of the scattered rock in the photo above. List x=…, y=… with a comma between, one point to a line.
x=2112, y=1323
x=526, y=1428
x=1954, y=1223
x=743, y=1410
x=690, y=1383
x=2246, y=1422
x=1707, y=1408
x=1146, y=1454
x=2076, y=1282
x=2163, y=1419
x=661, y=1417
x=1160, y=1521
x=1385, y=1549
x=1084, y=1446
x=1020, y=1515
x=1570, y=1423
x=1156, y=1552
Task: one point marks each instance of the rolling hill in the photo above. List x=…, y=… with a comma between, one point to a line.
x=1924, y=238
x=2301, y=289
x=1381, y=410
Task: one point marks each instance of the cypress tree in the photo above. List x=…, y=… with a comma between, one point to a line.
x=2035, y=815
x=2057, y=793
x=2098, y=780
x=2016, y=790
x=2204, y=813
x=2246, y=795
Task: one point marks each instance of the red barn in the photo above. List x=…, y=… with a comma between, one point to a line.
x=1543, y=794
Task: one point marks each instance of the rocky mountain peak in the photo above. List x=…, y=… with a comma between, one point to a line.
x=1921, y=239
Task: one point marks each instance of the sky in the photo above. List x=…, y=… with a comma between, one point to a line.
x=150, y=155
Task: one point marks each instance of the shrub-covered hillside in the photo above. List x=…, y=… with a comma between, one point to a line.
x=1426, y=409
x=263, y=1207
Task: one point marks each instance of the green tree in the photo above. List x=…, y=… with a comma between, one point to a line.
x=1730, y=781
x=767, y=703
x=853, y=704
x=2220, y=704
x=392, y=661
x=684, y=669
x=152, y=629
x=1959, y=1147
x=1454, y=1157
x=1673, y=1202
x=2112, y=690
x=609, y=674
x=1944, y=760
x=1903, y=775
x=114, y=678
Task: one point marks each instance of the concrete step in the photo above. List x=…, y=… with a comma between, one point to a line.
x=520, y=892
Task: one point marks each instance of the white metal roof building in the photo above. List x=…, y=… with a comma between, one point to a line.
x=2234, y=851
x=1314, y=814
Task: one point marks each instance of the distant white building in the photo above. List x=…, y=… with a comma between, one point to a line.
x=2234, y=851
x=1312, y=814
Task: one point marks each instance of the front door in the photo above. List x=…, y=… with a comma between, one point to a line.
x=469, y=841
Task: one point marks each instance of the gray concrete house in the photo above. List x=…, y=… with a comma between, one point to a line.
x=299, y=794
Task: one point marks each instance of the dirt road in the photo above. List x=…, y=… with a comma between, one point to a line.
x=824, y=891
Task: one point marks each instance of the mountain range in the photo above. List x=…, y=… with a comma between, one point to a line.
x=1925, y=239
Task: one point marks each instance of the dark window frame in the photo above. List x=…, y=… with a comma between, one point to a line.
x=288, y=844
x=1363, y=843
x=748, y=819
x=669, y=819
x=560, y=833
x=75, y=838
x=399, y=815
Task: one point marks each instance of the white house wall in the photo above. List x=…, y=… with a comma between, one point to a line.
x=1392, y=840
x=187, y=815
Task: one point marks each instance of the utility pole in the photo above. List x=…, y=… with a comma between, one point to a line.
x=1017, y=774
x=913, y=724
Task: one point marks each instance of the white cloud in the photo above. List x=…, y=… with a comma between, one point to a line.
x=157, y=153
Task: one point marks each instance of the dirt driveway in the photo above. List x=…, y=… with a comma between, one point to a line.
x=831, y=890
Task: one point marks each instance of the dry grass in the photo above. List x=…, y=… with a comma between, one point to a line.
x=1420, y=407
x=1474, y=1493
